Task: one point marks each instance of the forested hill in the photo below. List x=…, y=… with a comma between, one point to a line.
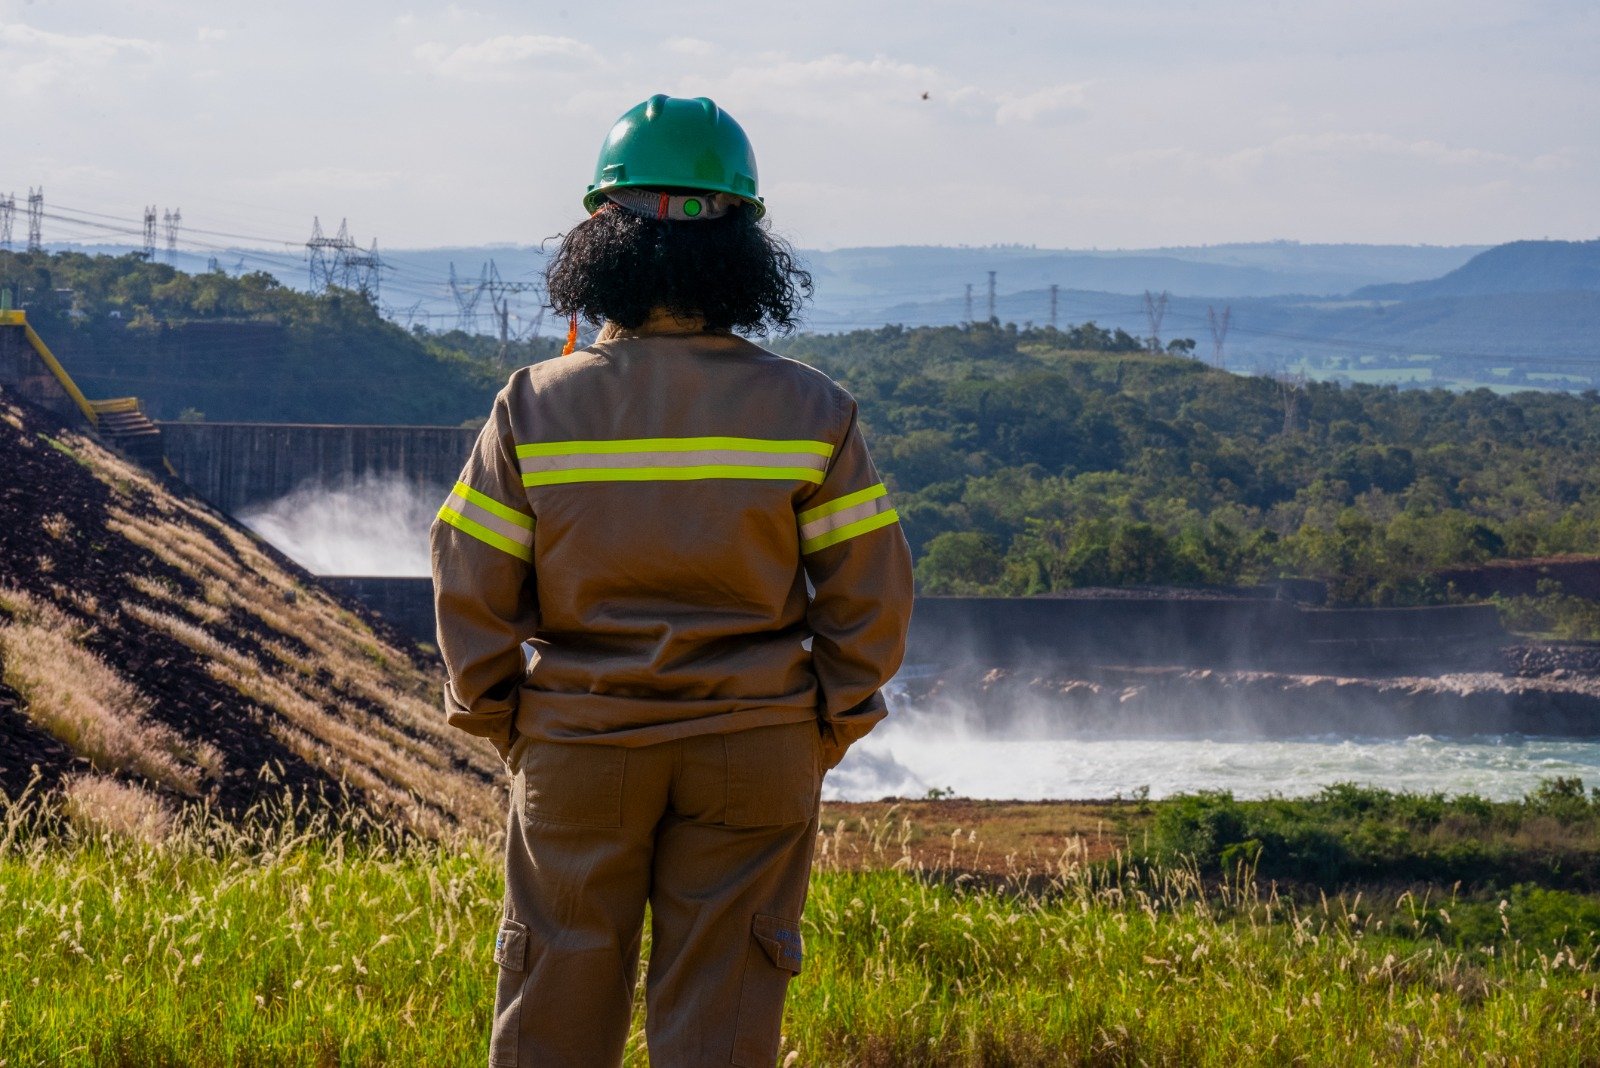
x=1023, y=464
x=1518, y=267
x=1023, y=461
x=248, y=348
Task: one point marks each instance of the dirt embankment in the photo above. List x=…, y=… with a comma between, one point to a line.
x=153, y=653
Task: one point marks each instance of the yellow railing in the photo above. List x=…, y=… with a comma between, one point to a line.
x=115, y=404
x=17, y=317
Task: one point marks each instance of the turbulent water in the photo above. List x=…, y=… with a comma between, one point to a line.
x=376, y=527
x=380, y=528
x=911, y=754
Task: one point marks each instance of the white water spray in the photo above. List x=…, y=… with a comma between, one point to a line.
x=916, y=751
x=378, y=526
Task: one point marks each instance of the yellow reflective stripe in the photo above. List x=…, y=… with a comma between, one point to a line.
x=839, y=505
x=667, y=474
x=851, y=530
x=494, y=507
x=485, y=535
x=578, y=448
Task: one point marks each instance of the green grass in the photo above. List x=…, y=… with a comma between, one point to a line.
x=310, y=944
x=1355, y=835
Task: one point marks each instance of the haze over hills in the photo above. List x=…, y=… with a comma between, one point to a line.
x=1505, y=317
x=854, y=285
x=1520, y=267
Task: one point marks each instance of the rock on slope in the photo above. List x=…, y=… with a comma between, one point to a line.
x=154, y=653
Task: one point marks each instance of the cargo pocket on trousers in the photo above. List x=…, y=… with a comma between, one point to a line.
x=773, y=774
x=774, y=957
x=511, y=953
x=578, y=785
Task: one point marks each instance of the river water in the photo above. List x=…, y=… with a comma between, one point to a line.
x=379, y=528
x=910, y=754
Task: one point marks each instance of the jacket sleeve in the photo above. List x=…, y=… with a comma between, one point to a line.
x=483, y=586
x=860, y=569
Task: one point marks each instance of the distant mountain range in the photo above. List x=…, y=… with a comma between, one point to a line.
x=1520, y=267
x=1466, y=314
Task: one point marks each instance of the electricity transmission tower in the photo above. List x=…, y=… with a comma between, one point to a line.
x=329, y=257
x=363, y=270
x=500, y=291
x=1290, y=388
x=1053, y=290
x=36, y=219
x=171, y=220
x=1219, y=331
x=150, y=233
x=968, y=317
x=991, y=296
x=467, y=295
x=8, y=212
x=1155, y=309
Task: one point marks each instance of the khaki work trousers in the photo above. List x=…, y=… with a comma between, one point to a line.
x=716, y=832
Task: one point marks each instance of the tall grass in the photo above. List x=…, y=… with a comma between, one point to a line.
x=305, y=940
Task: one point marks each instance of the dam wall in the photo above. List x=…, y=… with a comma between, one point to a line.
x=239, y=465
x=1034, y=632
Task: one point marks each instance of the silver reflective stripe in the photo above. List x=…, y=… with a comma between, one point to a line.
x=483, y=517
x=696, y=458
x=843, y=518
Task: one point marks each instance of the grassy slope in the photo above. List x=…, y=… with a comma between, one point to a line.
x=277, y=948
x=157, y=655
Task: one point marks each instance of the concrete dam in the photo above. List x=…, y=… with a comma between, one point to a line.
x=237, y=466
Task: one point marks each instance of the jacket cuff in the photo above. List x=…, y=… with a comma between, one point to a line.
x=494, y=720
x=843, y=730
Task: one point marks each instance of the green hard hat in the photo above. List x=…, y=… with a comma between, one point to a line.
x=673, y=142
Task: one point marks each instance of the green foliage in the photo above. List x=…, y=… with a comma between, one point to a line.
x=249, y=348
x=1077, y=459
x=357, y=946
x=1349, y=834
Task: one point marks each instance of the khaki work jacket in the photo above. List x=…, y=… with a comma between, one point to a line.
x=646, y=514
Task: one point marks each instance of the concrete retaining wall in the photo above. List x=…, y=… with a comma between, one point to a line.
x=236, y=465
x=1036, y=631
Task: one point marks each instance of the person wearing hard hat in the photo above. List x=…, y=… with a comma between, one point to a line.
x=688, y=532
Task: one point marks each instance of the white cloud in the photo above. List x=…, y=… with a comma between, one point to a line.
x=32, y=60
x=690, y=46
x=1351, y=146
x=206, y=34
x=336, y=179
x=1051, y=103
x=502, y=58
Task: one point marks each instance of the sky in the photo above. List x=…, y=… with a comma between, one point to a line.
x=1066, y=124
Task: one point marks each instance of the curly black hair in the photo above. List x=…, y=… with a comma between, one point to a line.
x=732, y=272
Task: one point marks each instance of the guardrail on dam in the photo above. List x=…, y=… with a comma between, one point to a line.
x=237, y=465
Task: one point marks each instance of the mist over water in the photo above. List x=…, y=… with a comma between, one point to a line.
x=1014, y=747
x=915, y=751
x=378, y=526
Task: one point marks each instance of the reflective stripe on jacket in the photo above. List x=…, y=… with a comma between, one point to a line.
x=647, y=514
